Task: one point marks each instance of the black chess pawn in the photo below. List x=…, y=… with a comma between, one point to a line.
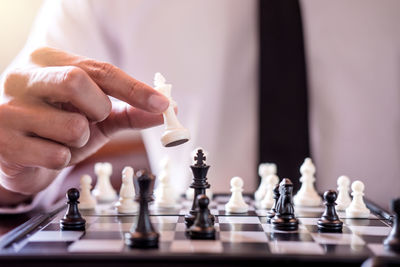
x=72, y=219
x=144, y=236
x=329, y=222
x=202, y=227
x=199, y=185
x=392, y=242
x=284, y=218
x=271, y=212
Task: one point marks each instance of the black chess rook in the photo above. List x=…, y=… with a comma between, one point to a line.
x=72, y=219
x=329, y=221
x=284, y=218
x=144, y=235
x=202, y=227
x=392, y=242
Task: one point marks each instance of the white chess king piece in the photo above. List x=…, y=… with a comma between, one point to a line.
x=343, y=199
x=236, y=203
x=307, y=195
x=268, y=201
x=103, y=191
x=86, y=200
x=165, y=196
x=357, y=208
x=126, y=203
x=264, y=170
x=174, y=134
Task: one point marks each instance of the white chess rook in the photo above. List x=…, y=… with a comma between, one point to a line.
x=236, y=203
x=268, y=201
x=343, y=199
x=307, y=195
x=103, y=191
x=126, y=203
x=264, y=170
x=174, y=134
x=86, y=200
x=357, y=208
x=165, y=197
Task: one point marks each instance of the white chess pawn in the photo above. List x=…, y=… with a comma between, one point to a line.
x=357, y=208
x=165, y=197
x=264, y=170
x=343, y=199
x=175, y=134
x=86, y=200
x=307, y=195
x=268, y=201
x=126, y=203
x=103, y=191
x=236, y=203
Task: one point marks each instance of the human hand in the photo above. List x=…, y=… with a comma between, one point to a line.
x=56, y=113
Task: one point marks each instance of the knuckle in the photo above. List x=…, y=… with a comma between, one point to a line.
x=59, y=158
x=73, y=79
x=10, y=83
x=102, y=70
x=78, y=127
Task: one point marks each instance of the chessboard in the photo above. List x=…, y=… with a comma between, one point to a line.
x=240, y=238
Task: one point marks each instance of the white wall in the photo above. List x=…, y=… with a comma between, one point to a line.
x=16, y=18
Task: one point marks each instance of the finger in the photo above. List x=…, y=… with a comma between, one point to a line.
x=111, y=79
x=43, y=120
x=36, y=152
x=61, y=85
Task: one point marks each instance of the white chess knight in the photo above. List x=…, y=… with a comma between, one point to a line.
x=343, y=199
x=126, y=203
x=86, y=200
x=236, y=203
x=268, y=201
x=357, y=208
x=264, y=170
x=307, y=195
x=103, y=191
x=165, y=196
x=174, y=134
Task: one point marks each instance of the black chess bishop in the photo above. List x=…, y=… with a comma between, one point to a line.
x=284, y=218
x=392, y=242
x=72, y=219
x=329, y=221
x=144, y=235
x=202, y=227
x=199, y=185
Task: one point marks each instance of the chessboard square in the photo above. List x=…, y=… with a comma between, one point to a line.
x=373, y=238
x=107, y=227
x=337, y=238
x=290, y=236
x=289, y=247
x=52, y=227
x=97, y=246
x=185, y=235
x=243, y=227
x=370, y=230
x=181, y=219
x=364, y=222
x=116, y=219
x=238, y=219
x=164, y=219
x=342, y=215
x=245, y=248
x=239, y=237
x=45, y=247
x=105, y=235
x=379, y=250
x=56, y=236
x=166, y=236
x=346, y=250
x=309, y=221
x=196, y=246
x=314, y=229
x=164, y=226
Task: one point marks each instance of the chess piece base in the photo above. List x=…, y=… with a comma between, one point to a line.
x=236, y=209
x=67, y=225
x=138, y=240
x=201, y=233
x=175, y=137
x=330, y=226
x=285, y=224
x=362, y=214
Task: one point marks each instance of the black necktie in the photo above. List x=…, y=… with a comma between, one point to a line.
x=283, y=112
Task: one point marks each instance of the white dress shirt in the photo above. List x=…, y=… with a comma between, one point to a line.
x=208, y=51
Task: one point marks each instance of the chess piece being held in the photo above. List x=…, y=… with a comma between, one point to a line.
x=343, y=200
x=103, y=191
x=144, y=235
x=264, y=170
x=392, y=242
x=86, y=200
x=285, y=219
x=329, y=222
x=72, y=219
x=175, y=134
x=357, y=208
x=236, y=203
x=126, y=204
x=307, y=195
x=165, y=197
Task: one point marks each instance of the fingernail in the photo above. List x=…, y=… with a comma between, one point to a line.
x=158, y=103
